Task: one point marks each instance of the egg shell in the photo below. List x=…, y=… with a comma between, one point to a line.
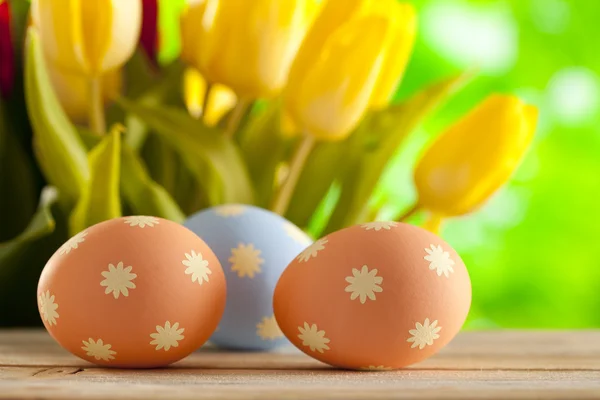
x=254, y=246
x=380, y=295
x=112, y=293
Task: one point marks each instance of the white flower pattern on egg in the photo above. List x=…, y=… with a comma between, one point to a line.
x=98, y=349
x=118, y=280
x=424, y=334
x=229, y=210
x=363, y=284
x=379, y=225
x=313, y=338
x=72, y=243
x=246, y=260
x=439, y=260
x=167, y=336
x=197, y=267
x=141, y=221
x=268, y=329
x=48, y=307
x=313, y=250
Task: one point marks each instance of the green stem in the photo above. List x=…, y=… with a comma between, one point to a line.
x=206, y=100
x=284, y=195
x=236, y=117
x=409, y=213
x=97, y=123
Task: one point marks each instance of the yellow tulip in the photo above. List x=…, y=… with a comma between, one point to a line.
x=88, y=37
x=475, y=156
x=351, y=61
x=246, y=45
x=73, y=91
x=221, y=99
x=287, y=126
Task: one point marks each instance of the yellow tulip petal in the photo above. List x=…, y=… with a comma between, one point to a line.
x=246, y=45
x=220, y=101
x=191, y=29
x=60, y=30
x=400, y=47
x=335, y=91
x=88, y=37
x=288, y=127
x=96, y=19
x=333, y=15
x=475, y=156
x=124, y=33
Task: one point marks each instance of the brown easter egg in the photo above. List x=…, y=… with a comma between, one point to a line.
x=381, y=295
x=135, y=291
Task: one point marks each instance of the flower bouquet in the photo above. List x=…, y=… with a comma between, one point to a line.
x=285, y=104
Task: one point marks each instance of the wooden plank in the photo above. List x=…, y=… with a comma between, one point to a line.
x=494, y=365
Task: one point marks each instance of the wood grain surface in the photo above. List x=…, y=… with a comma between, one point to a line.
x=491, y=365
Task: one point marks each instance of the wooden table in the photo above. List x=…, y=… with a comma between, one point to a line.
x=491, y=365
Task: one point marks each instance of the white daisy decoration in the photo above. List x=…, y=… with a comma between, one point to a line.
x=142, y=221
x=167, y=336
x=197, y=267
x=98, y=350
x=48, y=307
x=313, y=250
x=118, y=280
x=363, y=284
x=296, y=233
x=424, y=334
x=230, y=210
x=72, y=243
x=313, y=338
x=439, y=260
x=268, y=329
x=246, y=260
x=379, y=225
x=376, y=368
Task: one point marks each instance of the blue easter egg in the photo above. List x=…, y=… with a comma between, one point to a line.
x=254, y=246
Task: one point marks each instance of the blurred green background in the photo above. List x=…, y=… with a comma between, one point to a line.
x=531, y=249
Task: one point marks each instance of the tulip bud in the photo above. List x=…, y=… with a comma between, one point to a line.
x=72, y=91
x=246, y=45
x=475, y=156
x=88, y=37
x=221, y=99
x=351, y=61
x=404, y=18
x=331, y=96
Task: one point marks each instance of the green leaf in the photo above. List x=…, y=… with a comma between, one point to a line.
x=168, y=170
x=214, y=159
x=384, y=133
x=139, y=74
x=58, y=148
x=100, y=200
x=143, y=195
x=264, y=148
x=17, y=182
x=23, y=258
x=324, y=165
x=152, y=88
x=162, y=161
x=42, y=224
